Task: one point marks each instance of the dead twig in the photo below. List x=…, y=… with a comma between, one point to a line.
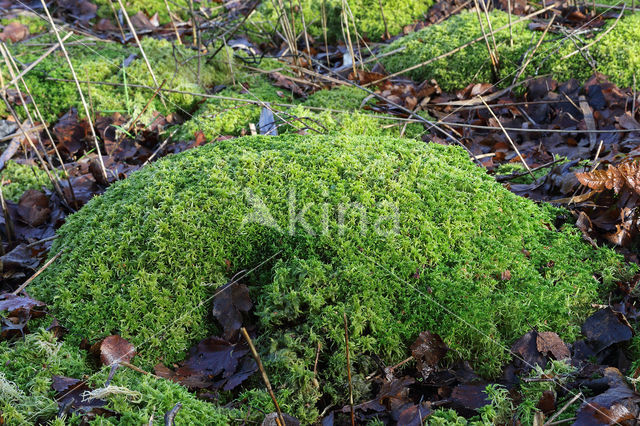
x=560, y=411
x=533, y=52
x=34, y=276
x=346, y=340
x=263, y=372
x=513, y=145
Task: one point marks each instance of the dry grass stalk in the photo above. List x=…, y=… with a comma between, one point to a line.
x=75, y=78
x=173, y=22
x=346, y=340
x=38, y=272
x=48, y=165
x=492, y=55
x=513, y=145
x=46, y=129
x=459, y=48
x=135, y=36
x=265, y=378
x=533, y=52
x=115, y=14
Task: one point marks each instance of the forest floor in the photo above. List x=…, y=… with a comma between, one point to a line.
x=542, y=97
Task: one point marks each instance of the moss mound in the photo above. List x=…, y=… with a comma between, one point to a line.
x=103, y=62
x=399, y=235
x=366, y=16
x=20, y=177
x=614, y=54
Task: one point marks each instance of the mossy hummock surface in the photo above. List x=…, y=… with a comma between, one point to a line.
x=613, y=55
x=367, y=15
x=399, y=235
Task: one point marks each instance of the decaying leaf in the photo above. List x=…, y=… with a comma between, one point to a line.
x=229, y=304
x=14, y=31
x=114, y=349
x=70, y=400
x=428, y=350
x=550, y=344
x=214, y=362
x=615, y=177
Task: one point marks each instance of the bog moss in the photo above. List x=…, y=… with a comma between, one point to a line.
x=366, y=15
x=613, y=54
x=399, y=235
x=103, y=62
x=19, y=177
x=26, y=397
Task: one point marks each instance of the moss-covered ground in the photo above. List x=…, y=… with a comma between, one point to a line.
x=613, y=54
x=145, y=257
x=365, y=14
x=398, y=235
x=26, y=397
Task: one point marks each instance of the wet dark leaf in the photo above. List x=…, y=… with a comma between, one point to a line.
x=229, y=304
x=469, y=398
x=33, y=208
x=21, y=258
x=526, y=351
x=70, y=399
x=213, y=362
x=428, y=350
x=16, y=305
x=604, y=328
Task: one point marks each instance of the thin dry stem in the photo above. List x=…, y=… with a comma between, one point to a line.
x=75, y=78
x=513, y=145
x=263, y=372
x=135, y=36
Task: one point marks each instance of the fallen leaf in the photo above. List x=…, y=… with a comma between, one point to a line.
x=428, y=350
x=33, y=207
x=549, y=343
x=212, y=363
x=229, y=304
x=114, y=349
x=604, y=328
x=14, y=31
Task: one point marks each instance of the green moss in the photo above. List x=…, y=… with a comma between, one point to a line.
x=217, y=117
x=102, y=62
x=19, y=178
x=614, y=54
x=156, y=397
x=26, y=368
x=366, y=14
x=35, y=24
x=145, y=257
x=150, y=7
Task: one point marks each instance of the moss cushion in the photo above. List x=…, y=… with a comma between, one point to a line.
x=400, y=235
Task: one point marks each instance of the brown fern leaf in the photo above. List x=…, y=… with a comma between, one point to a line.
x=599, y=180
x=631, y=173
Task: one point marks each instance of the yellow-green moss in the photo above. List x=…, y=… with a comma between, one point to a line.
x=27, y=367
x=144, y=258
x=150, y=7
x=102, y=62
x=614, y=55
x=19, y=178
x=366, y=14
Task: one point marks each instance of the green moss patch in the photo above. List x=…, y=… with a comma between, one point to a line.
x=179, y=8
x=27, y=367
x=366, y=15
x=103, y=62
x=19, y=178
x=399, y=235
x=614, y=54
